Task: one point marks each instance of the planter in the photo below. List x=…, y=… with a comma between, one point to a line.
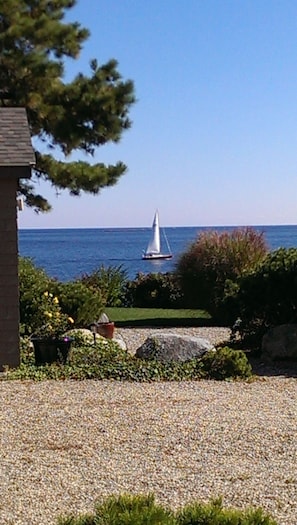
x=105, y=329
x=49, y=351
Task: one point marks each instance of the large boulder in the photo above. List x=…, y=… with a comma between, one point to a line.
x=280, y=343
x=166, y=347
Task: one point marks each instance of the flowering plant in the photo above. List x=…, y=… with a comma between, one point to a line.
x=54, y=323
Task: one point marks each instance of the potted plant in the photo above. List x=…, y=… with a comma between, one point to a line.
x=103, y=327
x=50, y=340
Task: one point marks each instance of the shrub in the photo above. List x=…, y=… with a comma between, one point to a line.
x=226, y=363
x=128, y=509
x=33, y=283
x=75, y=299
x=83, y=304
x=110, y=282
x=212, y=260
x=154, y=290
x=213, y=513
x=267, y=296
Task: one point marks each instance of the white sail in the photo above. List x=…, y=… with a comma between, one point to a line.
x=153, y=251
x=154, y=243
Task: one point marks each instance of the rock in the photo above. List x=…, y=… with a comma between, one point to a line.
x=82, y=334
x=85, y=336
x=280, y=343
x=120, y=342
x=166, y=347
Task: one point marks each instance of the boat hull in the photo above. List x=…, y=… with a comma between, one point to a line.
x=154, y=257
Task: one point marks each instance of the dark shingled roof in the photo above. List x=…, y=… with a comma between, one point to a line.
x=15, y=140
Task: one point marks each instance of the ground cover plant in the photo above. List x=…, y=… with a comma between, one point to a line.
x=129, y=509
x=106, y=360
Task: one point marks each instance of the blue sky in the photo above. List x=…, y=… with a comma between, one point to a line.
x=214, y=135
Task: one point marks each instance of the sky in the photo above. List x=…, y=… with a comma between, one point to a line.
x=214, y=134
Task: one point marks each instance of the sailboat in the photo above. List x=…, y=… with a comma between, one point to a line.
x=153, y=250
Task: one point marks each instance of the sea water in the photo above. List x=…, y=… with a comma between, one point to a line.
x=67, y=254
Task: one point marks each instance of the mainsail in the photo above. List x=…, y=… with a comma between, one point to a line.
x=154, y=243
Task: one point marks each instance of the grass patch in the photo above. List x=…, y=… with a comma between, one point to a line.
x=158, y=317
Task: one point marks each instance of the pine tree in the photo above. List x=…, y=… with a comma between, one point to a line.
x=81, y=115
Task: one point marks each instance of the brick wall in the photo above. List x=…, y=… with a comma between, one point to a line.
x=9, y=292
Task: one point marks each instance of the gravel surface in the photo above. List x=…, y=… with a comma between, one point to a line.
x=135, y=337
x=64, y=444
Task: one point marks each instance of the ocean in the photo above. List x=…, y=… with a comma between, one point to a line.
x=66, y=254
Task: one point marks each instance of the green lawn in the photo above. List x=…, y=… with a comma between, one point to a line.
x=157, y=317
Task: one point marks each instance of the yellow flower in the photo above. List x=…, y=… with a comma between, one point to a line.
x=70, y=320
x=46, y=294
x=48, y=314
x=55, y=300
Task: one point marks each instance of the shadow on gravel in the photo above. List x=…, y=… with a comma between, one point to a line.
x=172, y=322
x=276, y=368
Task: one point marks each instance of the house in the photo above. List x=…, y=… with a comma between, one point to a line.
x=16, y=161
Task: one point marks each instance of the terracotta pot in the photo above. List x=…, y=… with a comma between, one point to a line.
x=105, y=329
x=49, y=351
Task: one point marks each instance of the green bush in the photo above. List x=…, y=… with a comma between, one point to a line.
x=33, y=283
x=226, y=363
x=125, y=510
x=154, y=290
x=76, y=300
x=213, y=513
x=143, y=510
x=110, y=282
x=212, y=260
x=83, y=304
x=267, y=296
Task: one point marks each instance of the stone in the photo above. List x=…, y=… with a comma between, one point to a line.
x=120, y=342
x=86, y=336
x=166, y=347
x=280, y=343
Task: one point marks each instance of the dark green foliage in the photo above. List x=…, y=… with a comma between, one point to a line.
x=133, y=510
x=213, y=513
x=125, y=509
x=106, y=360
x=154, y=290
x=215, y=259
x=142, y=510
x=267, y=296
x=226, y=363
x=110, y=282
x=83, y=304
x=75, y=299
x=33, y=282
x=87, y=112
